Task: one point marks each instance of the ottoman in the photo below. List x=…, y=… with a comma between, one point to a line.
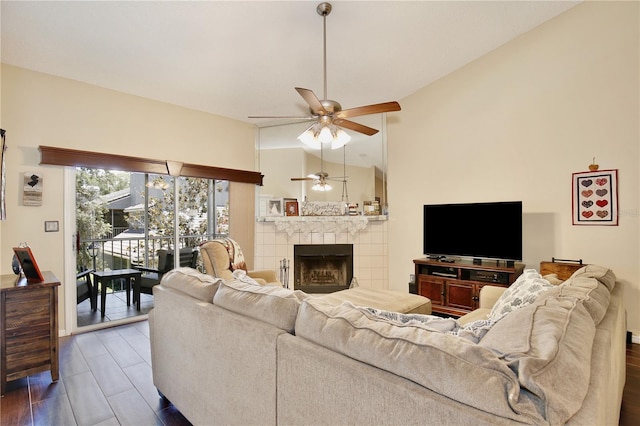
x=388, y=300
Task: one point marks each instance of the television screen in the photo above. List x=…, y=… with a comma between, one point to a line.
x=477, y=230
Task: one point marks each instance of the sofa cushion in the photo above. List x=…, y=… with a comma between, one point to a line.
x=524, y=291
x=441, y=362
x=274, y=305
x=191, y=282
x=600, y=273
x=591, y=284
x=545, y=344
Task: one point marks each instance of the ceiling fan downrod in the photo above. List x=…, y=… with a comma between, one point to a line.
x=323, y=10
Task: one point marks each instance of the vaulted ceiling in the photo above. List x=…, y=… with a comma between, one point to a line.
x=239, y=58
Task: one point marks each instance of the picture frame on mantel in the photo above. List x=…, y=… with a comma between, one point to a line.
x=291, y=207
x=275, y=207
x=595, y=198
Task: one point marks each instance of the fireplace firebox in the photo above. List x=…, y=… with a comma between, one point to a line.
x=322, y=268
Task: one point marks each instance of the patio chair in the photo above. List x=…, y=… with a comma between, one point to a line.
x=152, y=276
x=85, y=289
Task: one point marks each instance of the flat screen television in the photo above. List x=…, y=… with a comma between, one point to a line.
x=477, y=230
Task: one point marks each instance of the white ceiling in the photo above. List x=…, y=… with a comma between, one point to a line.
x=239, y=58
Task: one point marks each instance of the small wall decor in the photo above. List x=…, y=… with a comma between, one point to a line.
x=32, y=189
x=595, y=197
x=275, y=207
x=51, y=226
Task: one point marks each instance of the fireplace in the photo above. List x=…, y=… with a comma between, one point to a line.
x=322, y=268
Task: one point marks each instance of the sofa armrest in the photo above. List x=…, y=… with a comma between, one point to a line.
x=489, y=295
x=268, y=276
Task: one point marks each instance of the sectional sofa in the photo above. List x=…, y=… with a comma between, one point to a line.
x=228, y=352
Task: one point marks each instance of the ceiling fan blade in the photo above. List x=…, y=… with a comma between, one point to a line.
x=369, y=109
x=312, y=100
x=357, y=127
x=305, y=178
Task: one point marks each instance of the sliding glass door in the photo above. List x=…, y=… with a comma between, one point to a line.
x=132, y=220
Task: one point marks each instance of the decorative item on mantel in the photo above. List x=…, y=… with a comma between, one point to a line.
x=291, y=207
x=323, y=208
x=320, y=224
x=275, y=207
x=371, y=208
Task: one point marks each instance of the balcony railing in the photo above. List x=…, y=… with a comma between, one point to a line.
x=127, y=250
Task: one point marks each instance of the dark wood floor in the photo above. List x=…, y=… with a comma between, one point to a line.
x=630, y=412
x=105, y=379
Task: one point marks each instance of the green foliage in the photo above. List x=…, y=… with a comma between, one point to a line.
x=192, y=218
x=91, y=209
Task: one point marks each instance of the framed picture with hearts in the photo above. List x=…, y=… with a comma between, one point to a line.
x=595, y=198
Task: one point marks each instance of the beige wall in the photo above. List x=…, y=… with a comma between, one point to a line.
x=39, y=109
x=515, y=125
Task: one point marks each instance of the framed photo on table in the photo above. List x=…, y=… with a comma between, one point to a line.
x=595, y=198
x=28, y=263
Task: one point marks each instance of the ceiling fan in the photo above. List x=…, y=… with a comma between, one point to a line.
x=328, y=116
x=322, y=177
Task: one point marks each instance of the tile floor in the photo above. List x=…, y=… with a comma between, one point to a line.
x=116, y=308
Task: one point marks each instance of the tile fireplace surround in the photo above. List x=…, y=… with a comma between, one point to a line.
x=370, y=249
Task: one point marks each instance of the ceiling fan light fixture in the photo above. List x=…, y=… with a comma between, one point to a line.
x=341, y=139
x=308, y=137
x=325, y=135
x=321, y=186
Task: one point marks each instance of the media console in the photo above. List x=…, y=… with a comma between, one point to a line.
x=454, y=288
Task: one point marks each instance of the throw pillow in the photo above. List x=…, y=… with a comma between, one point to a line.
x=241, y=275
x=429, y=322
x=475, y=330
x=472, y=332
x=524, y=291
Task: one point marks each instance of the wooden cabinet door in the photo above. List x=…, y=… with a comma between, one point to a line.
x=460, y=295
x=432, y=288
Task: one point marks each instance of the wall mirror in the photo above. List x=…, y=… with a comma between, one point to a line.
x=356, y=173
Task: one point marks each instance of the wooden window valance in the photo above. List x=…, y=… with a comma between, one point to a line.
x=72, y=157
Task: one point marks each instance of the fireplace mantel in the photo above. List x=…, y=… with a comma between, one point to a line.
x=320, y=224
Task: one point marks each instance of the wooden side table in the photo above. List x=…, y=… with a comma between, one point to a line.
x=28, y=327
